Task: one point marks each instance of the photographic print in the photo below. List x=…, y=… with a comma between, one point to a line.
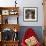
x=5, y=12
x=0, y=19
x=0, y=36
x=30, y=14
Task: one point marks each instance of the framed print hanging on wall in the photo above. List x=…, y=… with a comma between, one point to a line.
x=30, y=14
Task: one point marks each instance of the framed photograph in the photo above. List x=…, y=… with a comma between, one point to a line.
x=0, y=19
x=5, y=12
x=0, y=36
x=30, y=14
x=13, y=12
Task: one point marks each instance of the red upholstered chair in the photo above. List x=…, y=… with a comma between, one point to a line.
x=29, y=33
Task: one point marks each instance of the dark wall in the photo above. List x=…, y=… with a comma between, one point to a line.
x=37, y=29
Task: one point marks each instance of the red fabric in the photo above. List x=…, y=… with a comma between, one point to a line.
x=29, y=33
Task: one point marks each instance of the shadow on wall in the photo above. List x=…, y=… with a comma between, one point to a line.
x=37, y=29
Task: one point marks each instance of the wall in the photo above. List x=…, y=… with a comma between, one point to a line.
x=26, y=3
x=45, y=13
x=33, y=3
